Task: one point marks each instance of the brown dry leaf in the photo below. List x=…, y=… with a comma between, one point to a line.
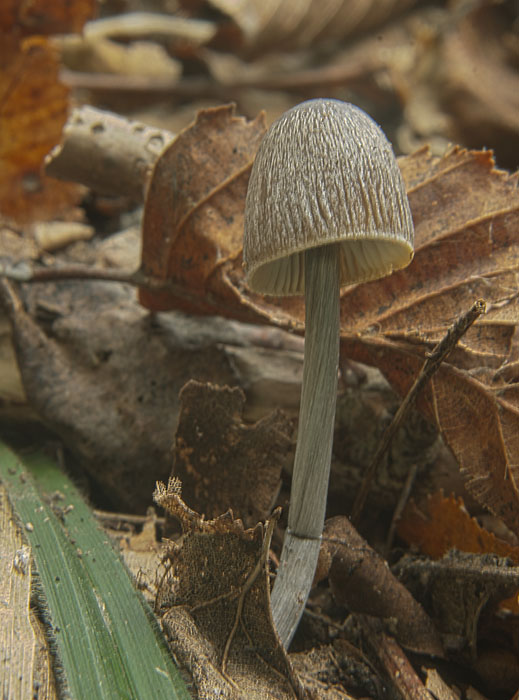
x=223, y=462
x=107, y=380
x=281, y=24
x=462, y=592
x=362, y=581
x=466, y=216
x=480, y=83
x=33, y=109
x=43, y=17
x=216, y=606
x=193, y=217
x=444, y=524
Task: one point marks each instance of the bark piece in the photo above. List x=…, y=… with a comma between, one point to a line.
x=108, y=153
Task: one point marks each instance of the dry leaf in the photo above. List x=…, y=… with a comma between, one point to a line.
x=107, y=380
x=224, y=463
x=43, y=17
x=462, y=592
x=444, y=524
x=193, y=218
x=215, y=604
x=284, y=24
x=362, y=581
x=34, y=106
x=466, y=217
x=33, y=110
x=480, y=83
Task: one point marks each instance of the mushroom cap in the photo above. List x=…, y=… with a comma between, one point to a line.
x=324, y=173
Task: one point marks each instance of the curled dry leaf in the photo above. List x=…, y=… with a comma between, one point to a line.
x=106, y=380
x=284, y=24
x=466, y=216
x=362, y=581
x=445, y=524
x=215, y=606
x=193, y=217
x=224, y=463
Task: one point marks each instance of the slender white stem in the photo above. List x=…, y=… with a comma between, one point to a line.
x=314, y=441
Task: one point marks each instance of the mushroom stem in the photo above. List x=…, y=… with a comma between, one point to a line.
x=314, y=441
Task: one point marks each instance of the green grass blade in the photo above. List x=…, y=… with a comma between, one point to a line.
x=106, y=638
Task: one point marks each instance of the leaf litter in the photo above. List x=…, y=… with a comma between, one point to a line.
x=466, y=217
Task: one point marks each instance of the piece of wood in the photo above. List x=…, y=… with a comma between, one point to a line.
x=108, y=153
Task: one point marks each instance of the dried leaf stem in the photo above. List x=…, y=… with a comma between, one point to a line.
x=430, y=366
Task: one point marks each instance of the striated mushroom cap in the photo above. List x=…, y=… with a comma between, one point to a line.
x=324, y=173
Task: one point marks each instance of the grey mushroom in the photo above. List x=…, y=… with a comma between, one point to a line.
x=326, y=207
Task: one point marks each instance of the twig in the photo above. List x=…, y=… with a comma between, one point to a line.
x=395, y=663
x=25, y=272
x=430, y=366
x=123, y=518
x=404, y=497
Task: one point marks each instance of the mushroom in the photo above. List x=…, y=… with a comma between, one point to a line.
x=326, y=206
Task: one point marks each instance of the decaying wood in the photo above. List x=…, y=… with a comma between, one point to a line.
x=108, y=153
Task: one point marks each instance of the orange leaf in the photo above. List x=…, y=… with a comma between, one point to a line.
x=445, y=525
x=26, y=17
x=33, y=109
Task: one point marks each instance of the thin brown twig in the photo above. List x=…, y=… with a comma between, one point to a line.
x=106, y=516
x=430, y=366
x=25, y=272
x=394, y=661
x=402, y=500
